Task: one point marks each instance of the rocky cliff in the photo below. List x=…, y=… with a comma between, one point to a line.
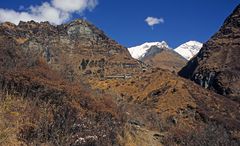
x=74, y=49
x=216, y=66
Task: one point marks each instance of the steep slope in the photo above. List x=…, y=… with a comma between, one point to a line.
x=189, y=49
x=39, y=107
x=158, y=54
x=164, y=58
x=74, y=49
x=217, y=64
x=44, y=100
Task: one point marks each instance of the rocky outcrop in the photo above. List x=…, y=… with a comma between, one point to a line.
x=71, y=49
x=216, y=66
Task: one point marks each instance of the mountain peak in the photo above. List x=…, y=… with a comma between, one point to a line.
x=79, y=22
x=157, y=44
x=159, y=55
x=140, y=51
x=192, y=42
x=189, y=49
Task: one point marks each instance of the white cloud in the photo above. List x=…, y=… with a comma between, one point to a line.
x=151, y=21
x=74, y=5
x=56, y=11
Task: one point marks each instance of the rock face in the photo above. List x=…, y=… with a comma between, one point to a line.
x=74, y=49
x=217, y=65
x=158, y=54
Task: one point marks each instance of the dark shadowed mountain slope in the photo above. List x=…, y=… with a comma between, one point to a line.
x=217, y=65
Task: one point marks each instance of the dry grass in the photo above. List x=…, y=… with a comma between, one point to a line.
x=21, y=40
x=139, y=136
x=11, y=119
x=16, y=113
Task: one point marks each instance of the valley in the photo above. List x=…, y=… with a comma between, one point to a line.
x=71, y=85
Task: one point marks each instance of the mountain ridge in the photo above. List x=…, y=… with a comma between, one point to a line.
x=216, y=66
x=159, y=54
x=186, y=50
x=140, y=51
x=81, y=48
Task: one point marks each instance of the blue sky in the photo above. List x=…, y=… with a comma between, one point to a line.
x=124, y=20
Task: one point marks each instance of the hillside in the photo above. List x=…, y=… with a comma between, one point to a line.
x=74, y=49
x=216, y=66
x=72, y=85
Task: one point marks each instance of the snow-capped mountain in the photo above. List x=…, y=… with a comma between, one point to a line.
x=189, y=49
x=158, y=54
x=141, y=51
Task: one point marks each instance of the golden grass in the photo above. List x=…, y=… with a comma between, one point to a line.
x=11, y=110
x=21, y=40
x=15, y=113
